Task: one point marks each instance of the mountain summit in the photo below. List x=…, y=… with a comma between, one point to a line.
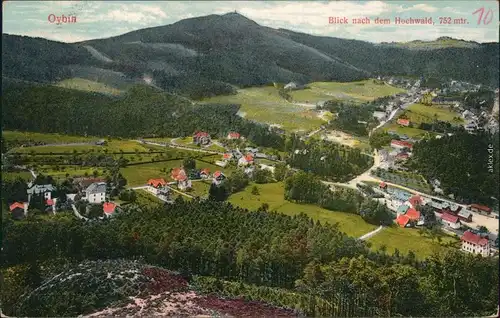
x=209, y=54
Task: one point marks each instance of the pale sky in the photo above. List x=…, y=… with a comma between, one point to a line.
x=101, y=19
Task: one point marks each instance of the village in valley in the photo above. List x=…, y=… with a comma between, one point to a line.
x=203, y=163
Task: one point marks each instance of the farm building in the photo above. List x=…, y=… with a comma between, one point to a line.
x=482, y=209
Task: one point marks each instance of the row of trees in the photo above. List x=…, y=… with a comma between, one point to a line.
x=265, y=249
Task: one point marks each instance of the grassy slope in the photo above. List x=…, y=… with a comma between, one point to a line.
x=263, y=104
x=361, y=91
x=8, y=176
x=422, y=113
x=9, y=135
x=273, y=194
x=408, y=239
x=88, y=86
x=112, y=146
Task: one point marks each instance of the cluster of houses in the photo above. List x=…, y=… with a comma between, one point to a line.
x=92, y=190
x=401, y=152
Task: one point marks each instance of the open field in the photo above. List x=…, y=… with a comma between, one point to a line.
x=20, y=136
x=88, y=86
x=273, y=194
x=263, y=104
x=419, y=113
x=25, y=175
x=406, y=239
x=200, y=188
x=362, y=91
x=146, y=199
x=111, y=146
x=71, y=171
x=160, y=139
x=347, y=139
x=410, y=132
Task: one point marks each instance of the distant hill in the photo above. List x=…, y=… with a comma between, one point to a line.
x=209, y=55
x=439, y=43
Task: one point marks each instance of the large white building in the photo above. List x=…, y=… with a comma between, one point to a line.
x=95, y=193
x=473, y=243
x=43, y=189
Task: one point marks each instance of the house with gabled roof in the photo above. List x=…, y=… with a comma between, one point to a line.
x=403, y=221
x=40, y=189
x=158, y=186
x=415, y=201
x=109, y=208
x=473, y=243
x=402, y=209
x=218, y=177
x=465, y=215
x=19, y=210
x=204, y=173
x=95, y=193
x=246, y=160
x=478, y=208
x=233, y=135
x=227, y=156
x=450, y=220
x=399, y=144
x=403, y=122
x=180, y=176
x=201, y=138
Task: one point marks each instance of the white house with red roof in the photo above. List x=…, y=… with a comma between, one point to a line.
x=109, y=208
x=400, y=144
x=183, y=182
x=473, y=243
x=246, y=160
x=218, y=177
x=201, y=138
x=233, y=135
x=403, y=122
x=204, y=173
x=450, y=220
x=157, y=186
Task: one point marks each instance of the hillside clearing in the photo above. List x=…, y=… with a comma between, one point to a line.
x=405, y=239
x=361, y=91
x=273, y=194
x=89, y=86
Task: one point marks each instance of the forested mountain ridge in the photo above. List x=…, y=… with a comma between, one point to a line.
x=207, y=55
x=142, y=111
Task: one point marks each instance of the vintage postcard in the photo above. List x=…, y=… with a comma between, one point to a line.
x=250, y=158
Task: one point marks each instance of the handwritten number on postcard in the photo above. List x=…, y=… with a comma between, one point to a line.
x=489, y=14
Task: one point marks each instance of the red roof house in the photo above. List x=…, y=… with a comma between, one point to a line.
x=233, y=135
x=157, y=182
x=205, y=171
x=50, y=202
x=179, y=174
x=201, y=134
x=403, y=220
x=217, y=174
x=383, y=185
x=415, y=200
x=480, y=208
x=109, y=207
x=401, y=144
x=16, y=205
x=449, y=218
x=227, y=156
x=474, y=239
x=403, y=122
x=413, y=214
